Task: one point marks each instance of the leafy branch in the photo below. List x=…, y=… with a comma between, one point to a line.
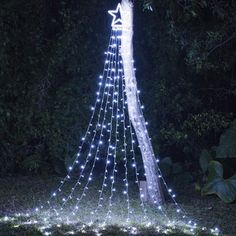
x=221, y=44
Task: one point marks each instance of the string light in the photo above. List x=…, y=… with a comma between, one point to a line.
x=112, y=189
x=99, y=142
x=109, y=149
x=116, y=21
x=111, y=108
x=126, y=192
x=87, y=131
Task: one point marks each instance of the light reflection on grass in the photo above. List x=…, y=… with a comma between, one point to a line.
x=64, y=224
x=29, y=194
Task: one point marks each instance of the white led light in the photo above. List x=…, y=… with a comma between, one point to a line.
x=109, y=105
x=116, y=21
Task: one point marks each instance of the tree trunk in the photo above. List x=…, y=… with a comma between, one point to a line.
x=134, y=109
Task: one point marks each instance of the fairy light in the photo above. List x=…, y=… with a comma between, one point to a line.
x=87, y=130
x=110, y=147
x=141, y=195
x=136, y=171
x=95, y=158
x=101, y=134
x=107, y=110
x=112, y=177
x=93, y=138
x=112, y=189
x=179, y=209
x=126, y=191
x=172, y=195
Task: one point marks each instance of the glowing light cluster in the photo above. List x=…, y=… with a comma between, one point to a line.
x=110, y=135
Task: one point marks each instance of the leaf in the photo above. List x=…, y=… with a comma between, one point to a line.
x=147, y=5
x=215, y=170
x=216, y=184
x=166, y=161
x=184, y=178
x=177, y=168
x=227, y=147
x=166, y=165
x=31, y=163
x=59, y=167
x=204, y=160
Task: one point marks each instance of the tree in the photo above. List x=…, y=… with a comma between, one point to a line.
x=134, y=107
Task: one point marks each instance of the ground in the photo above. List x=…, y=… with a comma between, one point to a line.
x=20, y=195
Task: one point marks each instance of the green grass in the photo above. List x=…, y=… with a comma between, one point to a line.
x=22, y=195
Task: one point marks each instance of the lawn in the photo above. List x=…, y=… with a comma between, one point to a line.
x=19, y=196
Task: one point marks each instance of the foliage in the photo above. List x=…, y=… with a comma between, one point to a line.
x=216, y=184
x=147, y=5
x=194, y=94
x=51, y=53
x=14, y=230
x=204, y=160
x=175, y=171
x=227, y=146
x=168, y=167
x=24, y=188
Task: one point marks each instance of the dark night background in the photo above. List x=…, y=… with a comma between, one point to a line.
x=52, y=52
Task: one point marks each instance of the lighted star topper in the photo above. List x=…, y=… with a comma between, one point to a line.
x=116, y=22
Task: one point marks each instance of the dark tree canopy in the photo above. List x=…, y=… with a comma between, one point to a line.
x=52, y=52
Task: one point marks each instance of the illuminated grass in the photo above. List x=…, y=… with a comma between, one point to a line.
x=27, y=193
x=34, y=225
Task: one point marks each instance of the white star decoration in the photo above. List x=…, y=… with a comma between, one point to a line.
x=116, y=22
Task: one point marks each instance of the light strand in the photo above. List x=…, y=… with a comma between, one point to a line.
x=88, y=128
x=108, y=215
x=102, y=127
x=107, y=157
x=126, y=191
x=179, y=209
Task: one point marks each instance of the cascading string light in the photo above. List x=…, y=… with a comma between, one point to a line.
x=179, y=209
x=113, y=69
x=103, y=126
x=190, y=222
x=126, y=191
x=110, y=147
x=75, y=162
x=140, y=189
x=96, y=158
x=100, y=142
x=159, y=207
x=112, y=177
x=137, y=174
x=129, y=127
x=134, y=165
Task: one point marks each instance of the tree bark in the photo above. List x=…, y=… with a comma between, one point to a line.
x=134, y=109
